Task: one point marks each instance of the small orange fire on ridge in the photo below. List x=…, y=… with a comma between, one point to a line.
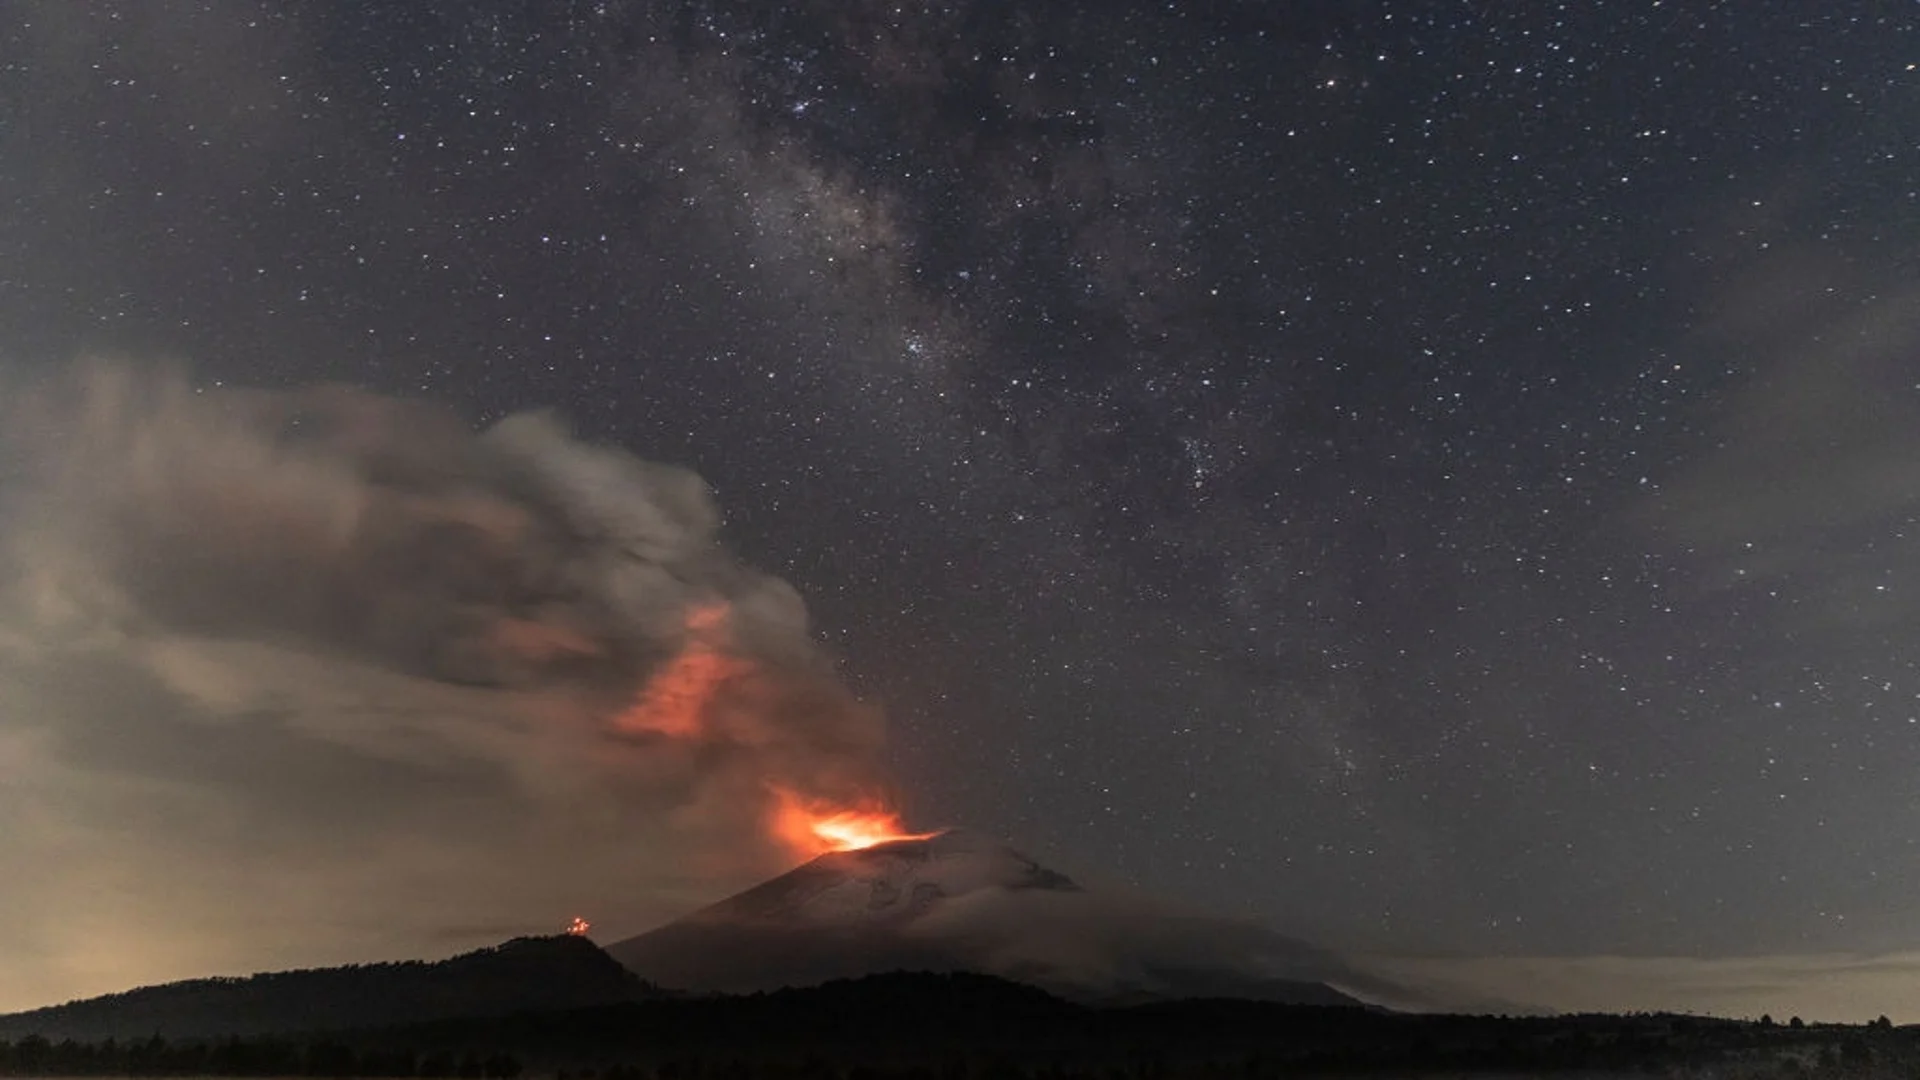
x=813, y=828
x=579, y=927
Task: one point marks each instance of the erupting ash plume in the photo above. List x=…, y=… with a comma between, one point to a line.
x=676, y=700
x=514, y=595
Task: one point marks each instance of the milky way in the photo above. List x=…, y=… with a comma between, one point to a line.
x=1429, y=477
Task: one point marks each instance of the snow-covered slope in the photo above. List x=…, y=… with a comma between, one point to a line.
x=888, y=883
x=960, y=901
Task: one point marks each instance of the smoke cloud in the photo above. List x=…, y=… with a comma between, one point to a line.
x=1097, y=944
x=363, y=673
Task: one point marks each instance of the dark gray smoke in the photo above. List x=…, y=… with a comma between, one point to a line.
x=331, y=520
x=342, y=645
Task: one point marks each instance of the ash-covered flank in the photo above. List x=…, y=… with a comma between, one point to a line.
x=962, y=901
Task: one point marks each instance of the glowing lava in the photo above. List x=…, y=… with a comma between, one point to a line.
x=813, y=828
x=579, y=927
x=850, y=830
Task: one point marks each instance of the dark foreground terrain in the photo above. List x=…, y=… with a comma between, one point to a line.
x=954, y=1027
x=525, y=975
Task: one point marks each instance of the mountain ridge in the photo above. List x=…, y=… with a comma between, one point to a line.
x=522, y=974
x=949, y=904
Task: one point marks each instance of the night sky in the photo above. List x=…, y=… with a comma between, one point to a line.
x=1441, y=479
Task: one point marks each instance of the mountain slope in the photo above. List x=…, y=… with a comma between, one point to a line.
x=520, y=975
x=959, y=901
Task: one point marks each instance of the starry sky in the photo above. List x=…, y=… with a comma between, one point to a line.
x=1439, y=478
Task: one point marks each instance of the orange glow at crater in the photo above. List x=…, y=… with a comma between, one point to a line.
x=815, y=828
x=579, y=927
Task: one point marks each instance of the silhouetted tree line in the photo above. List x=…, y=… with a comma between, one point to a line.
x=954, y=1027
x=947, y=1027
x=38, y=1056
x=1673, y=1047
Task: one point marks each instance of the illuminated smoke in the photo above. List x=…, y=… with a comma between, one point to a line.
x=386, y=549
x=677, y=700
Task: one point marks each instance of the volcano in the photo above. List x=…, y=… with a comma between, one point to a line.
x=959, y=901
